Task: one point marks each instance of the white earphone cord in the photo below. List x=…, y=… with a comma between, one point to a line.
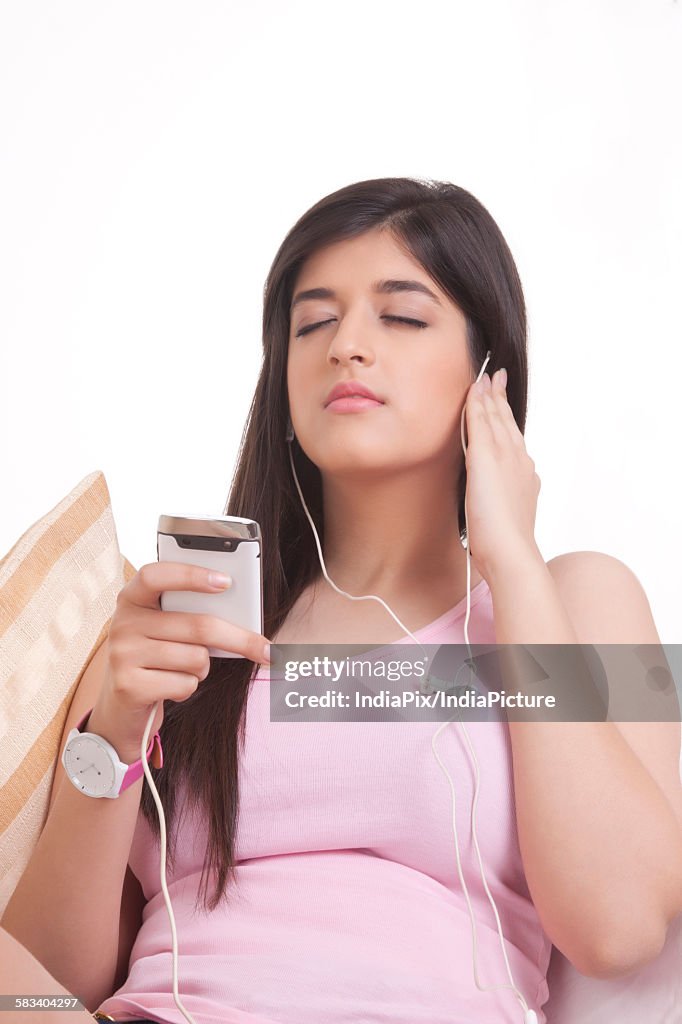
x=530, y=1017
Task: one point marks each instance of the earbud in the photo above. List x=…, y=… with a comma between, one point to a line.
x=289, y=435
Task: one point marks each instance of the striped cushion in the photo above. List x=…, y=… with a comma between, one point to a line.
x=58, y=588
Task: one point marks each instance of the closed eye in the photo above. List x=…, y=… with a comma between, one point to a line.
x=397, y=319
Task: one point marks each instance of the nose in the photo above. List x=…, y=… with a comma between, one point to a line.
x=347, y=346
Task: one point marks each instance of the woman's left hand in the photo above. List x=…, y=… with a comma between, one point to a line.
x=502, y=485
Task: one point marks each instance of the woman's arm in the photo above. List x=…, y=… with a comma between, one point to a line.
x=22, y=975
x=598, y=804
x=71, y=906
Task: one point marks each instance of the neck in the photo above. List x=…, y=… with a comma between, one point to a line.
x=395, y=533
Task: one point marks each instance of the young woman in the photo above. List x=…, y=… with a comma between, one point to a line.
x=312, y=867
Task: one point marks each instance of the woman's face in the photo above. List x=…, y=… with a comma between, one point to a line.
x=420, y=373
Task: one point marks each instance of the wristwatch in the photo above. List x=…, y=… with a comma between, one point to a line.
x=94, y=767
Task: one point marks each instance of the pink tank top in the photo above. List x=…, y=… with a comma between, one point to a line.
x=348, y=905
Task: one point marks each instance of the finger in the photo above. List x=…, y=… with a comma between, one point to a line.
x=205, y=630
x=146, y=586
x=478, y=427
x=170, y=656
x=497, y=431
x=504, y=411
x=158, y=685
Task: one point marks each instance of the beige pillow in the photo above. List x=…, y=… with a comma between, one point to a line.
x=58, y=588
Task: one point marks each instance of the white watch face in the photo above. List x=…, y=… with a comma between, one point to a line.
x=89, y=766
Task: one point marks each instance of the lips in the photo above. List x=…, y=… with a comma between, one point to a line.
x=349, y=388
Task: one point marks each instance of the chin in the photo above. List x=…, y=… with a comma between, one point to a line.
x=359, y=456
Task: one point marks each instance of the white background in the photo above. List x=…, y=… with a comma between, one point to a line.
x=154, y=154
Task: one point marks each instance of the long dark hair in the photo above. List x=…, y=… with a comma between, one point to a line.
x=450, y=233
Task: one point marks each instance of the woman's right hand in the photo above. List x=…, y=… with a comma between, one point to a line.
x=156, y=655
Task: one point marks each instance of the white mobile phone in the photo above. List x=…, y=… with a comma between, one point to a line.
x=227, y=544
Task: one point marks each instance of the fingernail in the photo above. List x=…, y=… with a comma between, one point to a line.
x=219, y=580
x=266, y=654
x=503, y=377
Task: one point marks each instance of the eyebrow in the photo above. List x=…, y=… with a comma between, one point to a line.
x=385, y=287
